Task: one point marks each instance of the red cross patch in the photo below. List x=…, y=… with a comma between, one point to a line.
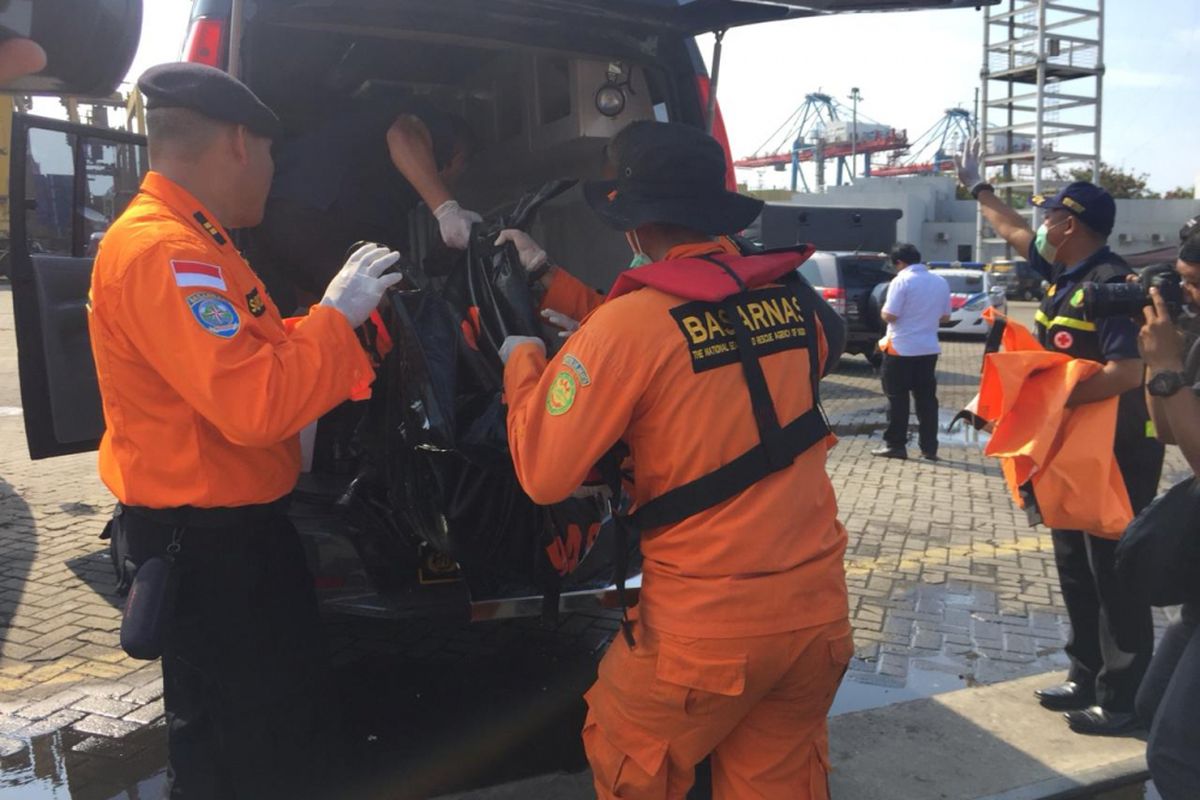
x=1063, y=340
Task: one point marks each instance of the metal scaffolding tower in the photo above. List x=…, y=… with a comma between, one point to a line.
x=1042, y=76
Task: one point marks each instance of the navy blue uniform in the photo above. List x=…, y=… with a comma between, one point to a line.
x=1112, y=634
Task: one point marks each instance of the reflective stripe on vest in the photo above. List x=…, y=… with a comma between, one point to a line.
x=1065, y=322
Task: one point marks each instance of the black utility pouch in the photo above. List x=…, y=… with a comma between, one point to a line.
x=148, y=608
x=144, y=553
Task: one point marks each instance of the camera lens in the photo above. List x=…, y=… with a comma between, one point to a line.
x=1102, y=300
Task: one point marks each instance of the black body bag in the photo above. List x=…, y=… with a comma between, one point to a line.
x=1158, y=558
x=448, y=470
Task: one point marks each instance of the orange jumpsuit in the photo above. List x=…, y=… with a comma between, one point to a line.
x=741, y=633
x=204, y=387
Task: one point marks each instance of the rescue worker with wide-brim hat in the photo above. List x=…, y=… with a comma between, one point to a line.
x=705, y=363
x=1112, y=632
x=205, y=388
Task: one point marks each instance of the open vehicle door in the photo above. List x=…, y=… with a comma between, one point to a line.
x=67, y=184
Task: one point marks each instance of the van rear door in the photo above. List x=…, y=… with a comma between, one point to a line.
x=67, y=184
x=637, y=17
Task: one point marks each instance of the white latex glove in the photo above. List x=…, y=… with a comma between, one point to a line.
x=967, y=163
x=530, y=252
x=455, y=223
x=357, y=288
x=560, y=320
x=511, y=343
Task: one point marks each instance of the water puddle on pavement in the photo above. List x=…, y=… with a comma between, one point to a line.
x=68, y=765
x=962, y=434
x=922, y=681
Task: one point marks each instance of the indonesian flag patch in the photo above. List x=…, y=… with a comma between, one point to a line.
x=196, y=273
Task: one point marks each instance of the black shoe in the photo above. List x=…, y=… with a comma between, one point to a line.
x=1069, y=696
x=891, y=452
x=1097, y=721
x=930, y=456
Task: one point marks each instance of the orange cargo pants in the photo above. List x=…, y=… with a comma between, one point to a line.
x=758, y=705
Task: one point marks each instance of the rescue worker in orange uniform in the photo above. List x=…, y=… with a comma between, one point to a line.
x=205, y=389
x=1112, y=632
x=700, y=357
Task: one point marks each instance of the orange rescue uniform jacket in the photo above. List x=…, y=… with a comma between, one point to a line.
x=204, y=386
x=766, y=561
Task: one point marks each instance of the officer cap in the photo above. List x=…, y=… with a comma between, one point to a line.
x=209, y=91
x=1093, y=205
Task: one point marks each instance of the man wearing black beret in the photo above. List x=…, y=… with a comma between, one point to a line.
x=205, y=389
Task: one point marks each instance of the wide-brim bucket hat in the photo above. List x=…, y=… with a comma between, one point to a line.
x=669, y=173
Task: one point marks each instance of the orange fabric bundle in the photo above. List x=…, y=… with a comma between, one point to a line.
x=1065, y=453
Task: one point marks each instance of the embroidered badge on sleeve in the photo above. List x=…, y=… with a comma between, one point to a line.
x=562, y=393
x=215, y=314
x=255, y=303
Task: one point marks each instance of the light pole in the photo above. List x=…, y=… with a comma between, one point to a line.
x=855, y=96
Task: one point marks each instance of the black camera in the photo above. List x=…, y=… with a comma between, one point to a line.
x=89, y=44
x=1101, y=300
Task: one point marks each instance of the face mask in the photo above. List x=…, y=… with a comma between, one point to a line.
x=1042, y=243
x=640, y=259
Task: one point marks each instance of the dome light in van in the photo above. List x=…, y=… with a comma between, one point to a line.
x=610, y=100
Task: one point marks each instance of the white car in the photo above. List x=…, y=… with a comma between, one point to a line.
x=971, y=291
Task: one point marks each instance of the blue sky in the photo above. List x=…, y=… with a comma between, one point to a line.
x=910, y=67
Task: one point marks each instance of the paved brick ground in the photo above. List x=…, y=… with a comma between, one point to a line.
x=949, y=585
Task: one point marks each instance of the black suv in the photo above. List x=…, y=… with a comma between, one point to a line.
x=851, y=282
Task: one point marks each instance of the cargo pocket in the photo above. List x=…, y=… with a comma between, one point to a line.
x=699, y=682
x=841, y=650
x=626, y=761
x=819, y=769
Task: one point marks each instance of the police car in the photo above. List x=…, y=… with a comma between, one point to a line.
x=972, y=290
x=543, y=85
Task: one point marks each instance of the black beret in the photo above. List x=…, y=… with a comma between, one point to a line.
x=209, y=91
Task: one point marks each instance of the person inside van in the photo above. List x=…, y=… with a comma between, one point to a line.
x=355, y=178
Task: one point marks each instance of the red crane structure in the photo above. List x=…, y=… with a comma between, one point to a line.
x=933, y=151
x=815, y=132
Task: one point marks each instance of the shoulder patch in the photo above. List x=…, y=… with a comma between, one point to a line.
x=580, y=370
x=561, y=395
x=197, y=273
x=211, y=229
x=1063, y=340
x=255, y=303
x=215, y=314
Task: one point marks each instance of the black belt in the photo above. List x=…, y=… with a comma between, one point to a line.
x=224, y=517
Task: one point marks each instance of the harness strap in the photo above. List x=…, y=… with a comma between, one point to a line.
x=735, y=477
x=761, y=403
x=777, y=448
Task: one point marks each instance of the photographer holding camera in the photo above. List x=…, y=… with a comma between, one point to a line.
x=1169, y=700
x=1112, y=633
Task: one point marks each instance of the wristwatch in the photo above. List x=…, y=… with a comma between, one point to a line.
x=979, y=187
x=1165, y=383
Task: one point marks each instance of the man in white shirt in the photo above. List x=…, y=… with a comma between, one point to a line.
x=917, y=303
